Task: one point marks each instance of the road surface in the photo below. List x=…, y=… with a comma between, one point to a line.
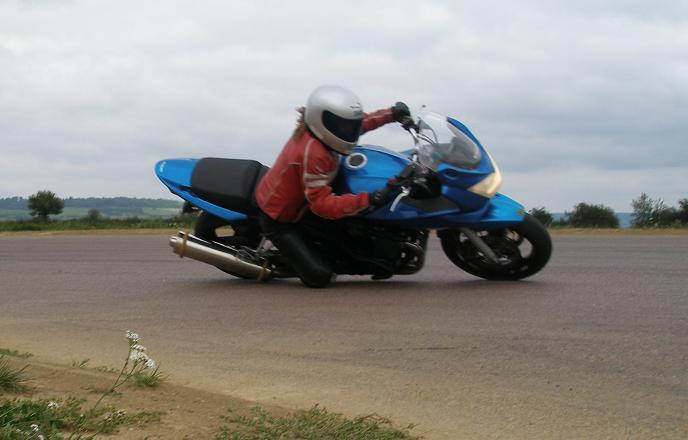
x=596, y=346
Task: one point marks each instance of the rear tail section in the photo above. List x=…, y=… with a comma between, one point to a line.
x=176, y=173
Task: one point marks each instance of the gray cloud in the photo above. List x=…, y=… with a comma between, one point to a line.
x=93, y=93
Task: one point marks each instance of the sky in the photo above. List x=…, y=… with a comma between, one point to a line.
x=577, y=101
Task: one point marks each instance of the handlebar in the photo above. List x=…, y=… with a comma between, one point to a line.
x=408, y=123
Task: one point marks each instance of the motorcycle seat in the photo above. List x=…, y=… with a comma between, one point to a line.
x=228, y=183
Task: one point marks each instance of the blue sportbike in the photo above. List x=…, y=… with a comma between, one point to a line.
x=448, y=183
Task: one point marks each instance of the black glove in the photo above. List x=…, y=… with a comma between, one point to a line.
x=408, y=123
x=382, y=196
x=400, y=112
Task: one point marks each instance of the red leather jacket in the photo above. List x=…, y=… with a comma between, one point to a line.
x=301, y=176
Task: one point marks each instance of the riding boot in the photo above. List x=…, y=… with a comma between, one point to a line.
x=313, y=269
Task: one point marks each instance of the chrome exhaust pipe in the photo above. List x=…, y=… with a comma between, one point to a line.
x=187, y=245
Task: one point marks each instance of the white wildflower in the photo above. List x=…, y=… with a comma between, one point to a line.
x=150, y=363
x=133, y=337
x=53, y=405
x=34, y=427
x=138, y=356
x=41, y=437
x=138, y=347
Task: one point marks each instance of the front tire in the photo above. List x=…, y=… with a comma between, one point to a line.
x=522, y=250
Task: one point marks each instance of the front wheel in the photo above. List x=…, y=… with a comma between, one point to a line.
x=521, y=250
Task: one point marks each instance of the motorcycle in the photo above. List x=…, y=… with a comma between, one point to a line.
x=447, y=182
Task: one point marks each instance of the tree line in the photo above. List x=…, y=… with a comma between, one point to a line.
x=647, y=213
x=100, y=203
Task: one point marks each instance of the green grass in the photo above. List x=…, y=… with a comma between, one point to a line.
x=26, y=418
x=182, y=221
x=313, y=424
x=146, y=379
x=14, y=353
x=12, y=214
x=11, y=379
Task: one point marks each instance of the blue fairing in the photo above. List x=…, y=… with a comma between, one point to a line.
x=175, y=172
x=380, y=166
x=501, y=212
x=462, y=207
x=176, y=175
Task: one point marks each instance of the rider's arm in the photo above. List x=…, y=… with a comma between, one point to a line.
x=319, y=168
x=373, y=120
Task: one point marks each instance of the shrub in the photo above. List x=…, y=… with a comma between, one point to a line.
x=651, y=213
x=682, y=212
x=93, y=216
x=586, y=215
x=44, y=203
x=542, y=215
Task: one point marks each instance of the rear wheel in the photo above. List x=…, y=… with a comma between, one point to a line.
x=522, y=250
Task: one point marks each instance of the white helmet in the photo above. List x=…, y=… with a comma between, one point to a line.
x=334, y=115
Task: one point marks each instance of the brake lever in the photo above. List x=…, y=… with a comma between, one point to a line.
x=405, y=191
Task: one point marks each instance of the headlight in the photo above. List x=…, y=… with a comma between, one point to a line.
x=489, y=186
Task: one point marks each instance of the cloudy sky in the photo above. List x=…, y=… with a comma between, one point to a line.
x=576, y=100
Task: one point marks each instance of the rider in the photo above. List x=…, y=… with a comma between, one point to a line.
x=329, y=126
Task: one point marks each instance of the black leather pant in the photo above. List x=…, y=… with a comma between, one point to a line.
x=310, y=265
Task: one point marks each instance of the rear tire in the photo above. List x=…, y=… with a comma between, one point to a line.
x=511, y=246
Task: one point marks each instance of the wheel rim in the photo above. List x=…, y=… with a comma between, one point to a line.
x=513, y=251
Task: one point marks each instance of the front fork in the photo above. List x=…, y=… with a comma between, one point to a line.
x=480, y=244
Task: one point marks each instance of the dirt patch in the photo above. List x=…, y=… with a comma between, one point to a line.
x=186, y=413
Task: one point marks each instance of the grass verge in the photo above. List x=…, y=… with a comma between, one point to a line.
x=61, y=400
x=618, y=231
x=14, y=353
x=11, y=378
x=315, y=423
x=181, y=221
x=53, y=418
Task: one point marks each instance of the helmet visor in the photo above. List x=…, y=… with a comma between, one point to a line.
x=347, y=130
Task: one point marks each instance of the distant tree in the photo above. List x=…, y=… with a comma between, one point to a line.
x=682, y=212
x=651, y=213
x=666, y=216
x=44, y=203
x=93, y=216
x=586, y=215
x=642, y=211
x=542, y=215
x=561, y=222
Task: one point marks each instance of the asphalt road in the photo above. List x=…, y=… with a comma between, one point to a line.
x=596, y=346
